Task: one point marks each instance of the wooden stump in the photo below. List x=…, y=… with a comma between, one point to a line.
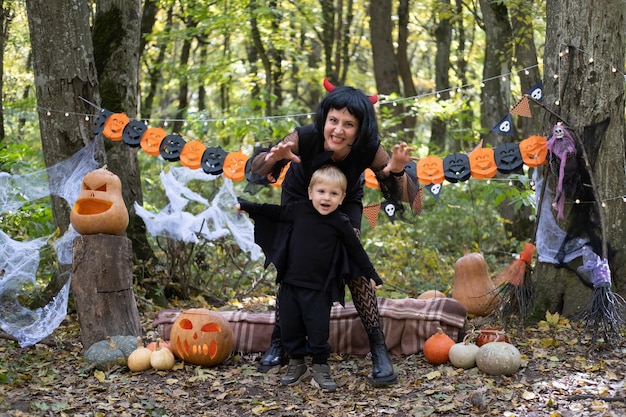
x=102, y=286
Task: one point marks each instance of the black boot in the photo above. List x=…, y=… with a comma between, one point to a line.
x=382, y=369
x=275, y=355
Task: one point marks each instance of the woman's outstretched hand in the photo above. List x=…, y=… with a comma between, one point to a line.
x=280, y=152
x=400, y=157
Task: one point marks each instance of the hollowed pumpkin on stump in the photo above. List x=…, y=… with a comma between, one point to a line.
x=473, y=287
x=202, y=337
x=100, y=207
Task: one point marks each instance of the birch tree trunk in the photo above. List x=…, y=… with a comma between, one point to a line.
x=584, y=89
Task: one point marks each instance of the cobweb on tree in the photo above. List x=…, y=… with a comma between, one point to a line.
x=216, y=219
x=19, y=260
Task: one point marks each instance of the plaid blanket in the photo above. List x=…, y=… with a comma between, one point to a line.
x=407, y=323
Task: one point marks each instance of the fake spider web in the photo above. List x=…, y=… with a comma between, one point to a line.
x=19, y=260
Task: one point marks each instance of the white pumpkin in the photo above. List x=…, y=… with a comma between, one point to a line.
x=498, y=358
x=463, y=354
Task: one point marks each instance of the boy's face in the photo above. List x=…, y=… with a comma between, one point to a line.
x=326, y=197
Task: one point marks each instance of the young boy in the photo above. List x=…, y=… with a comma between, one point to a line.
x=312, y=273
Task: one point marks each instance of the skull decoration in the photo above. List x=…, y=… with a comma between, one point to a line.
x=191, y=155
x=202, y=337
x=171, y=146
x=456, y=167
x=213, y=160
x=508, y=158
x=133, y=132
x=390, y=210
x=100, y=207
x=534, y=151
x=235, y=165
x=430, y=170
x=114, y=126
x=482, y=163
x=151, y=140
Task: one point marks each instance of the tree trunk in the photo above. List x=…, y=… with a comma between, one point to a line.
x=443, y=39
x=5, y=19
x=584, y=57
x=65, y=72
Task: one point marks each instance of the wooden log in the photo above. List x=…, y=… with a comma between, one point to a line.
x=102, y=287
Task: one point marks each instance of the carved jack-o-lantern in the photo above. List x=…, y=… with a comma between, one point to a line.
x=100, y=207
x=456, y=167
x=213, y=160
x=133, y=132
x=191, y=155
x=508, y=158
x=151, y=140
x=202, y=337
x=534, y=151
x=370, y=179
x=235, y=166
x=430, y=170
x=171, y=147
x=114, y=126
x=482, y=163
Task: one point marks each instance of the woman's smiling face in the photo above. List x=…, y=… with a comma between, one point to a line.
x=340, y=132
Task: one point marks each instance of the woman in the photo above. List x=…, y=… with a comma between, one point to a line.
x=344, y=134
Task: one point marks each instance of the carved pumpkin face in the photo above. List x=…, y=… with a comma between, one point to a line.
x=100, y=207
x=202, y=337
x=133, y=132
x=534, y=151
x=508, y=158
x=456, y=167
x=171, y=147
x=235, y=166
x=370, y=179
x=151, y=140
x=114, y=126
x=482, y=163
x=213, y=160
x=430, y=170
x=191, y=155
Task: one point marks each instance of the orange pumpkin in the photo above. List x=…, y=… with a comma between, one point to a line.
x=370, y=179
x=235, y=166
x=431, y=294
x=202, y=337
x=473, y=287
x=151, y=140
x=534, y=151
x=114, y=126
x=482, y=163
x=437, y=347
x=100, y=207
x=191, y=155
x=430, y=170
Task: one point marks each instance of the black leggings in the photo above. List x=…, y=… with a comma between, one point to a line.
x=365, y=302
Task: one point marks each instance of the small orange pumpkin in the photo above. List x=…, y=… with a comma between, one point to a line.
x=430, y=170
x=114, y=126
x=534, y=151
x=100, y=206
x=235, y=166
x=151, y=140
x=431, y=294
x=191, y=155
x=370, y=179
x=202, y=337
x=437, y=347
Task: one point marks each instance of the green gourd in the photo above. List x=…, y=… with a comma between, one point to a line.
x=105, y=354
x=126, y=344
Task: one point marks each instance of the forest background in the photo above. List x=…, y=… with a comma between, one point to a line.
x=236, y=74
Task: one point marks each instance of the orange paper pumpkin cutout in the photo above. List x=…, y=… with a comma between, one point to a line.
x=534, y=151
x=482, y=163
x=191, y=155
x=114, y=126
x=370, y=179
x=235, y=166
x=202, y=337
x=430, y=170
x=281, y=177
x=151, y=140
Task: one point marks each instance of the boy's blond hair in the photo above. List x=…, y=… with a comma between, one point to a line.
x=329, y=174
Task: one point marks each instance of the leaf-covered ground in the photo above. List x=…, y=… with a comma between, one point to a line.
x=560, y=376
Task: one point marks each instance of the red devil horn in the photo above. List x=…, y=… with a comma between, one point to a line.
x=328, y=86
x=373, y=99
